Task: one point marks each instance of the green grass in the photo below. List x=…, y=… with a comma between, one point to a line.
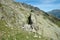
x=21, y=35
x=55, y=20
x=52, y=18
x=18, y=35
x=2, y=26
x=58, y=23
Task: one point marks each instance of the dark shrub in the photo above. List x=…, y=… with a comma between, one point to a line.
x=0, y=4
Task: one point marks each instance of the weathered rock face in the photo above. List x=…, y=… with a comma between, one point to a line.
x=14, y=17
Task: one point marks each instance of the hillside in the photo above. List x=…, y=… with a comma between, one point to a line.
x=21, y=22
x=55, y=13
x=55, y=16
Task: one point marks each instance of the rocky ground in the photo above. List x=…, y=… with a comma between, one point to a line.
x=18, y=22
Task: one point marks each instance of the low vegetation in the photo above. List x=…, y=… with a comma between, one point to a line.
x=0, y=4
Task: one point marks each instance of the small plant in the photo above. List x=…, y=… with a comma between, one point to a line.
x=0, y=4
x=32, y=10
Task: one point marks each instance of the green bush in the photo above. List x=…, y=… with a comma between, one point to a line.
x=0, y=4
x=32, y=10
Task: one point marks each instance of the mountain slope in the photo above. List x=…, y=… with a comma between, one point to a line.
x=55, y=13
x=18, y=22
x=55, y=16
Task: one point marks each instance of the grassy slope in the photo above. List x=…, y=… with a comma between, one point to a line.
x=52, y=18
x=7, y=33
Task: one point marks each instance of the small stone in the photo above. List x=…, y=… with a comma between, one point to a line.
x=23, y=27
x=39, y=36
x=34, y=30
